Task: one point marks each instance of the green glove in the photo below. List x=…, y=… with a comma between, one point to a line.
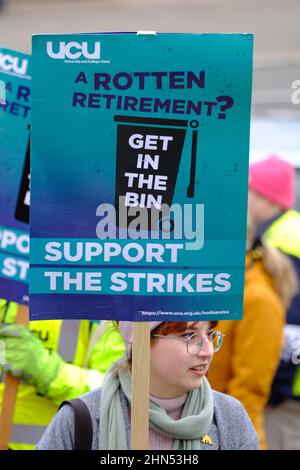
x=26, y=357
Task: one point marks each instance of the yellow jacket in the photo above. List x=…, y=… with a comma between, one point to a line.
x=246, y=364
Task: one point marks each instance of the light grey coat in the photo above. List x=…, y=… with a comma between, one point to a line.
x=231, y=428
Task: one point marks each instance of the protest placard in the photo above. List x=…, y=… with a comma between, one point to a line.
x=139, y=175
x=15, y=175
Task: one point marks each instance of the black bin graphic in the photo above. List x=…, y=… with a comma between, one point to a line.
x=23, y=202
x=148, y=157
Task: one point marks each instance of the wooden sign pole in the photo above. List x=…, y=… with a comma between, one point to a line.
x=140, y=386
x=10, y=392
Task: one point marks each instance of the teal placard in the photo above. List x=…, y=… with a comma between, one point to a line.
x=15, y=103
x=140, y=148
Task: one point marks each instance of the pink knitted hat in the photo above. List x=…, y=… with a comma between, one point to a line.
x=274, y=179
x=125, y=328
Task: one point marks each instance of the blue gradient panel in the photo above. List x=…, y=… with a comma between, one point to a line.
x=15, y=72
x=91, y=95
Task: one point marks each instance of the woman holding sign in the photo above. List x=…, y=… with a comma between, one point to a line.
x=185, y=413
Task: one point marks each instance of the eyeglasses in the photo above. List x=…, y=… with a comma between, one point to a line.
x=195, y=342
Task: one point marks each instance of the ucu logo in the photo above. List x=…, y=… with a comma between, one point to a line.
x=9, y=63
x=73, y=50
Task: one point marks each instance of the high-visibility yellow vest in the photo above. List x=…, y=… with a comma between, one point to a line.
x=296, y=384
x=70, y=339
x=284, y=233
